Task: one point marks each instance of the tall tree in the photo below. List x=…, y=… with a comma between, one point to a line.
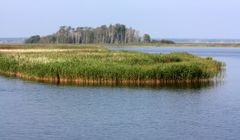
x=112, y=34
x=146, y=38
x=33, y=39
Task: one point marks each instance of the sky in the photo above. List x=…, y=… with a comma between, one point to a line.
x=159, y=18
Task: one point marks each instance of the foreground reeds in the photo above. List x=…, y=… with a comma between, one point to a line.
x=96, y=65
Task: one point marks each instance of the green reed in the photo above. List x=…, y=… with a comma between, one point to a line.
x=100, y=64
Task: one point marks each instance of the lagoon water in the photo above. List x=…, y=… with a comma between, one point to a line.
x=38, y=111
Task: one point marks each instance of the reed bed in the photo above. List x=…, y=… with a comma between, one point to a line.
x=97, y=65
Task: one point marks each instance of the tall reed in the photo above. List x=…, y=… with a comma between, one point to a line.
x=96, y=64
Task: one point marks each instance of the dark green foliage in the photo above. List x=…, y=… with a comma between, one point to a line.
x=146, y=38
x=112, y=34
x=209, y=58
x=33, y=39
x=164, y=41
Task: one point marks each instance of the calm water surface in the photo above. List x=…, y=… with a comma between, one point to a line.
x=37, y=111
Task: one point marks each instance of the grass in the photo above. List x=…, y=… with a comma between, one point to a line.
x=92, y=64
x=67, y=46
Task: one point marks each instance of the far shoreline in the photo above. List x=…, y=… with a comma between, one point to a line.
x=235, y=45
x=210, y=45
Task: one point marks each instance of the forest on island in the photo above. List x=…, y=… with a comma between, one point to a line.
x=112, y=34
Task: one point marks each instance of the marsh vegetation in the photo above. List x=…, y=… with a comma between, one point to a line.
x=93, y=64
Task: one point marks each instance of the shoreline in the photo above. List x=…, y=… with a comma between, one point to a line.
x=210, y=45
x=100, y=82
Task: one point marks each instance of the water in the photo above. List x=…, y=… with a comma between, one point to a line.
x=189, y=40
x=30, y=110
x=12, y=40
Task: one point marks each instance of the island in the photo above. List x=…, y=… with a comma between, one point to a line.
x=98, y=65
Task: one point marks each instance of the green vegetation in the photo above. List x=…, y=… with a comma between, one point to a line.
x=33, y=39
x=146, y=38
x=112, y=34
x=88, y=64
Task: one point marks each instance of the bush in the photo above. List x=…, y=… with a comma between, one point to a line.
x=33, y=39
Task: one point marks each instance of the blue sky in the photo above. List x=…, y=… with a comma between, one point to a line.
x=160, y=18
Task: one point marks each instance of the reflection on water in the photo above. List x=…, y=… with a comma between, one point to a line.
x=212, y=83
x=195, y=85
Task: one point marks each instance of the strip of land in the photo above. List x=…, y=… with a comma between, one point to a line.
x=67, y=46
x=179, y=45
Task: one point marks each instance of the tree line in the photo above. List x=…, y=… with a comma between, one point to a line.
x=112, y=34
